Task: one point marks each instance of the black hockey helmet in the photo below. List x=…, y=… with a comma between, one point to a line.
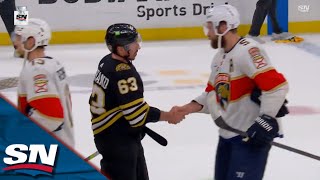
x=120, y=34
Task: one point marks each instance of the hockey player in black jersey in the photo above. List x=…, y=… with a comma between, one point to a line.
x=119, y=111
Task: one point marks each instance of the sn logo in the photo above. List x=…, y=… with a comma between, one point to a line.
x=19, y=159
x=22, y=16
x=304, y=8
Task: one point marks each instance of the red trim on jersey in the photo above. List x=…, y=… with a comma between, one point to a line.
x=268, y=80
x=50, y=106
x=209, y=88
x=240, y=87
x=22, y=104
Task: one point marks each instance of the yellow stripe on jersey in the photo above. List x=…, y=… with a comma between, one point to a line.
x=277, y=87
x=212, y=84
x=104, y=115
x=238, y=99
x=144, y=119
x=259, y=72
x=132, y=103
x=49, y=117
x=44, y=96
x=238, y=77
x=137, y=112
x=109, y=123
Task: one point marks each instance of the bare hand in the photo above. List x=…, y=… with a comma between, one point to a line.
x=177, y=114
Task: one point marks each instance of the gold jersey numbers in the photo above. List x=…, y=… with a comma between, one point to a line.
x=126, y=85
x=97, y=102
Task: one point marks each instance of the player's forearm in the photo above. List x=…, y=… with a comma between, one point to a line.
x=271, y=102
x=192, y=107
x=202, y=101
x=164, y=116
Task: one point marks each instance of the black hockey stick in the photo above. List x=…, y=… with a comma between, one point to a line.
x=155, y=136
x=222, y=124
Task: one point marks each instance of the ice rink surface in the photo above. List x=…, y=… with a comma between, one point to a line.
x=174, y=72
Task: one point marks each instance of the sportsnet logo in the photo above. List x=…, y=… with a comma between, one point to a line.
x=21, y=16
x=304, y=8
x=22, y=157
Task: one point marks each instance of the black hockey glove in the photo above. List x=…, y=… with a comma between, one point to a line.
x=264, y=129
x=256, y=93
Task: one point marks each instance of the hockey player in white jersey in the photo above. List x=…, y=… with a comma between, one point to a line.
x=246, y=91
x=43, y=91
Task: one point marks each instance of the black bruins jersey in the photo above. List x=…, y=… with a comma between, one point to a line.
x=116, y=103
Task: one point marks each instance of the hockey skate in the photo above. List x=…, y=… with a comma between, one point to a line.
x=286, y=37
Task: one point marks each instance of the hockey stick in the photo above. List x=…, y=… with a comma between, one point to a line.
x=222, y=124
x=9, y=83
x=155, y=136
x=93, y=155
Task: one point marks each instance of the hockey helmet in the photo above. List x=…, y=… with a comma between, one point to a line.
x=121, y=34
x=36, y=28
x=226, y=13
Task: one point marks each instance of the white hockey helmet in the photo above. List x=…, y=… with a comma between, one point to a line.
x=226, y=13
x=36, y=28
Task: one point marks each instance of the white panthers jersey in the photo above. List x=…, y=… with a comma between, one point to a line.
x=233, y=77
x=43, y=95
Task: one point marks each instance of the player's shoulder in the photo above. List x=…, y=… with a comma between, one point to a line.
x=248, y=42
x=108, y=64
x=47, y=63
x=246, y=45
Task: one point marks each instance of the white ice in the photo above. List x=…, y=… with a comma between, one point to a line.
x=190, y=153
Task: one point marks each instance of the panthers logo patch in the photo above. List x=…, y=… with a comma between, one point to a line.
x=222, y=86
x=40, y=82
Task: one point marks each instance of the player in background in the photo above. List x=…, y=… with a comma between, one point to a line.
x=264, y=8
x=119, y=110
x=239, y=70
x=43, y=91
x=7, y=8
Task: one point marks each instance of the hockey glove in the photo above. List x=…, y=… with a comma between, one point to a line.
x=264, y=129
